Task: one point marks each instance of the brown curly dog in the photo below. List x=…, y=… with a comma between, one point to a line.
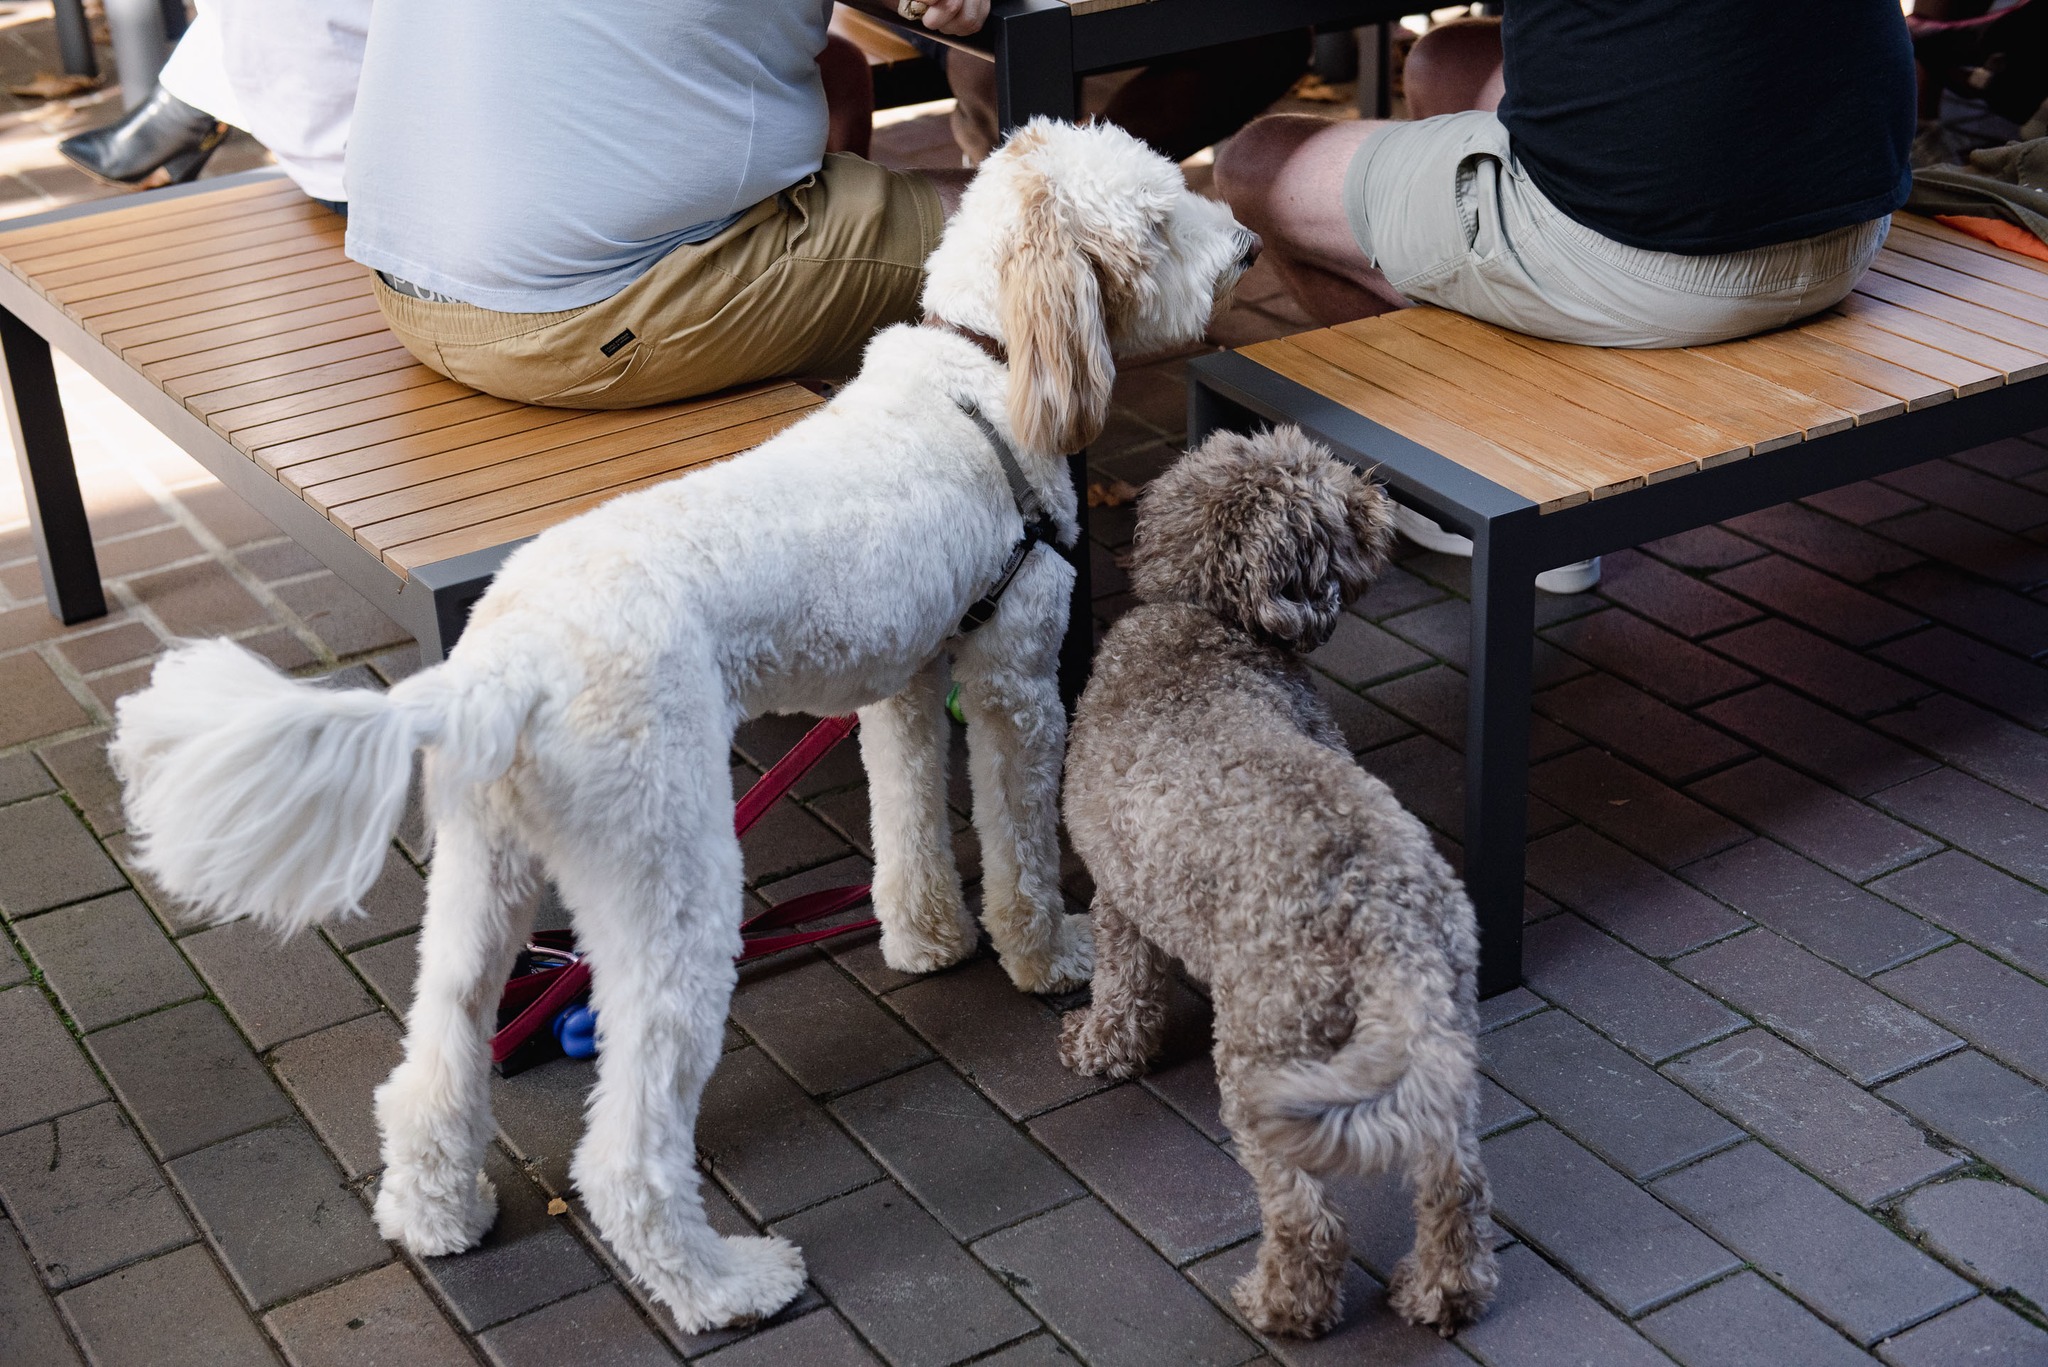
x=1226, y=825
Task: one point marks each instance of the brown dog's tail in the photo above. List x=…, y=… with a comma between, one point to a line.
x=1382, y=1094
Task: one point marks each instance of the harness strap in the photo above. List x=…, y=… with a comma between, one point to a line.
x=1039, y=528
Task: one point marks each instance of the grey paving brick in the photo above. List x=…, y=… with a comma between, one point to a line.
x=1978, y=903
x=1834, y=1129
x=1499, y=1108
x=1816, y=600
x=1812, y=907
x=1982, y=1333
x=1104, y=1291
x=953, y=1151
x=1368, y=1332
x=1984, y=674
x=1364, y=725
x=1851, y=1270
x=1976, y=741
x=1807, y=736
x=1540, y=1315
x=1817, y=1006
x=2002, y=1012
x=1505, y=1008
x=527, y=1259
x=1973, y=493
x=1842, y=550
x=906, y=1286
x=394, y=904
x=1650, y=657
x=1996, y=1233
x=381, y=1317
x=107, y=960
x=86, y=1197
x=1042, y=1351
x=1435, y=700
x=1827, y=827
x=2001, y=617
x=765, y=740
x=1686, y=605
x=21, y=777
x=29, y=1325
x=276, y=1211
x=1360, y=654
x=595, y=1329
x=787, y=839
x=331, y=1075
x=1649, y=1011
x=277, y=989
x=772, y=1145
x=540, y=1116
x=1970, y=544
x=816, y=1340
x=1990, y=823
x=1003, y=1041
x=824, y=1031
x=48, y=857
x=1703, y=548
x=42, y=1073
x=187, y=1078
x=1818, y=667
x=172, y=1311
x=1603, y=1097
x=1746, y=1322
x=1395, y=591
x=1189, y=1086
x=12, y=969
x=1628, y=806
x=81, y=766
x=1185, y=1195
x=390, y=967
x=1994, y=1112
x=1624, y=895
x=2008, y=459
x=1429, y=779
x=1627, y=721
x=1632, y=1250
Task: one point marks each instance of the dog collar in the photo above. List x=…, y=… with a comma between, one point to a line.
x=1038, y=524
x=989, y=346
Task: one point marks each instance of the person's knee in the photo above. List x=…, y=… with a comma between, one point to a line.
x=1452, y=67
x=1248, y=164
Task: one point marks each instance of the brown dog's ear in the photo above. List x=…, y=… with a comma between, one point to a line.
x=1061, y=369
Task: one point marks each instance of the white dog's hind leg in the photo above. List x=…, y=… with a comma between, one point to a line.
x=659, y=918
x=917, y=895
x=434, y=1111
x=1016, y=738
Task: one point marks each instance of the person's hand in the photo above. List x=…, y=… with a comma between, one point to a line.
x=955, y=16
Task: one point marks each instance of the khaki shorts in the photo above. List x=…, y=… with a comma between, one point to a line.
x=1447, y=215
x=796, y=287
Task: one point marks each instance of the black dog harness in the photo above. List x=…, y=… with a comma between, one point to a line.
x=1038, y=524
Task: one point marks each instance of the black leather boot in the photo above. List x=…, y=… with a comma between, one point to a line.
x=162, y=141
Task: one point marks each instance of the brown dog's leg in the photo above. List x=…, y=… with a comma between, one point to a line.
x=1297, y=1285
x=1449, y=1277
x=1119, y=1033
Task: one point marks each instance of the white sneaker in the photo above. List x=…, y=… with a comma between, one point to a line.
x=1573, y=578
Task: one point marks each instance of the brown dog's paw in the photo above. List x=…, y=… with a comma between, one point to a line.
x=1303, y=1306
x=1094, y=1049
x=1447, y=1301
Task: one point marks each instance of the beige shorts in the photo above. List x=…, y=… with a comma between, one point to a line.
x=796, y=287
x=1443, y=210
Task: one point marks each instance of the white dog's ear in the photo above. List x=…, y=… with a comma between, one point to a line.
x=1061, y=368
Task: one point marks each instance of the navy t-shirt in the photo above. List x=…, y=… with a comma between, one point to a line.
x=1706, y=126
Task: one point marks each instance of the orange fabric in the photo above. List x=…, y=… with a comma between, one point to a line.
x=1998, y=233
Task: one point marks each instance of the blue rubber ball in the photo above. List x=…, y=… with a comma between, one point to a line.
x=576, y=1032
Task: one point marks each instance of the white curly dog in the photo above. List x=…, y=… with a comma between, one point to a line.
x=581, y=727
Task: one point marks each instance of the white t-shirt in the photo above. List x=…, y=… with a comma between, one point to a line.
x=535, y=155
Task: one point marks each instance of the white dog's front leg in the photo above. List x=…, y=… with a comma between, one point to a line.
x=1016, y=738
x=434, y=1111
x=917, y=896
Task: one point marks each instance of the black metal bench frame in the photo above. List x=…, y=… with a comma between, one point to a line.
x=1513, y=542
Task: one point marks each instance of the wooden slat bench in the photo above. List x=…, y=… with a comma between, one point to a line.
x=226, y=314
x=1545, y=454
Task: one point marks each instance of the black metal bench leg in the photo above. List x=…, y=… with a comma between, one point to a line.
x=49, y=480
x=1497, y=744
x=1077, y=650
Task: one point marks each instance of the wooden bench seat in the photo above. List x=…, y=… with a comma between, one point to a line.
x=228, y=316
x=1546, y=453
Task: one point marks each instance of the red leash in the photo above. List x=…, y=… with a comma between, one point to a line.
x=547, y=992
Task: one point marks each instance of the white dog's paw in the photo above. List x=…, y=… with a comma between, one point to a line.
x=429, y=1223
x=935, y=935
x=1067, y=962
x=759, y=1275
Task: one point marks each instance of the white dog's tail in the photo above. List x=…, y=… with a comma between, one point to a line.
x=1396, y=1084
x=253, y=794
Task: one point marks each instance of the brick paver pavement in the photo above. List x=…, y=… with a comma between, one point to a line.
x=1773, y=1094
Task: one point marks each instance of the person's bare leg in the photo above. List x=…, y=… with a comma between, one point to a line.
x=849, y=97
x=1454, y=67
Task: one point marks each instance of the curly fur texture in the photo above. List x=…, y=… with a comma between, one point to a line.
x=1227, y=826
x=582, y=726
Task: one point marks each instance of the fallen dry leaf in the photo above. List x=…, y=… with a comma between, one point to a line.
x=558, y=1207
x=1111, y=493
x=55, y=85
